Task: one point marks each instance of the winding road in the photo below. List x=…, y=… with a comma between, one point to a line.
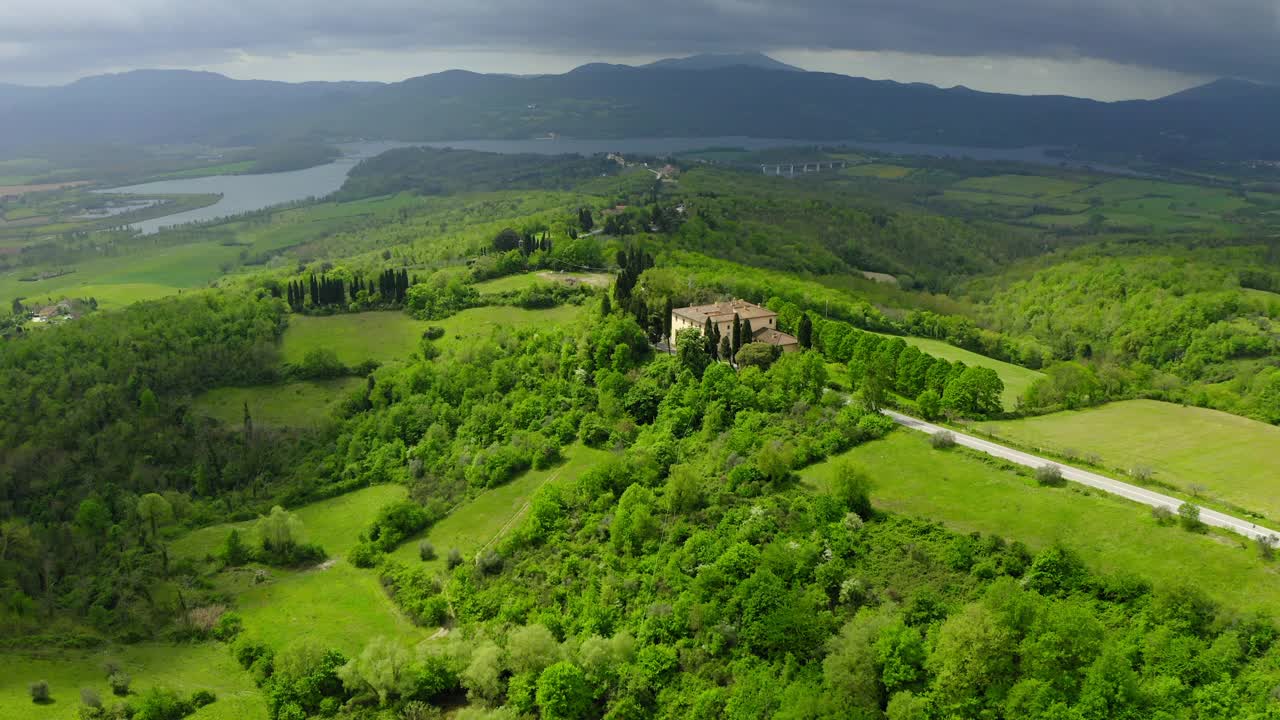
x=1084, y=477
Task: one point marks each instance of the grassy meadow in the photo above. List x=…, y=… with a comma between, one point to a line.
x=296, y=404
x=334, y=524
x=1198, y=451
x=382, y=336
x=185, y=668
x=495, y=511
x=967, y=493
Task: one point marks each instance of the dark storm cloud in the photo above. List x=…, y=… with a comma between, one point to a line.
x=1210, y=37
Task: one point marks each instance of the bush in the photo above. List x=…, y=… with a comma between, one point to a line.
x=162, y=704
x=426, y=551
x=119, y=682
x=39, y=691
x=247, y=652
x=455, y=558
x=1049, y=475
x=1189, y=517
x=943, y=440
x=489, y=563
x=234, y=551
x=228, y=627
x=433, y=332
x=364, y=555
x=1162, y=514
x=200, y=698
x=90, y=698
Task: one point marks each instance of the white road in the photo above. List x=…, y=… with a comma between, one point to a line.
x=1084, y=477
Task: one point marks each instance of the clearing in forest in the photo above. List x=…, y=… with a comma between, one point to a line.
x=296, y=404
x=184, y=667
x=967, y=493
x=1198, y=451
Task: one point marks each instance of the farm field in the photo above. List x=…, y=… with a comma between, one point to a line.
x=482, y=519
x=381, y=335
x=1016, y=378
x=969, y=494
x=296, y=404
x=120, y=280
x=334, y=524
x=522, y=281
x=878, y=170
x=1224, y=455
x=185, y=668
x=1030, y=186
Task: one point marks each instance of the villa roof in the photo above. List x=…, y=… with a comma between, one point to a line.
x=723, y=311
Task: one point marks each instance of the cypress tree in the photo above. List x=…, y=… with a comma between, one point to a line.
x=706, y=338
x=737, y=334
x=748, y=335
x=805, y=336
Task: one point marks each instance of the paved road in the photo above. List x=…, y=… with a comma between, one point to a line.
x=1084, y=477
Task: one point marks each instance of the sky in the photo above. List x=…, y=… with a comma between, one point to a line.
x=1107, y=49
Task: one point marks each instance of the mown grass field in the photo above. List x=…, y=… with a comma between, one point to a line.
x=495, y=511
x=184, y=668
x=335, y=523
x=520, y=282
x=878, y=170
x=967, y=494
x=296, y=404
x=335, y=603
x=381, y=336
x=1231, y=457
x=1016, y=378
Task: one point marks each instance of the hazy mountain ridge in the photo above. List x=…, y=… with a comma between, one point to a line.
x=1228, y=119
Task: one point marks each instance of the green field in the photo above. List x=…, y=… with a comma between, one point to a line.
x=465, y=328
x=968, y=494
x=335, y=523
x=520, y=282
x=296, y=404
x=1028, y=186
x=877, y=170
x=381, y=336
x=1231, y=457
x=184, y=668
x=1016, y=378
x=495, y=511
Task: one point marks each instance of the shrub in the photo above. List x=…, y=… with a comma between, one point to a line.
x=1189, y=517
x=119, y=682
x=229, y=626
x=1266, y=546
x=39, y=691
x=943, y=440
x=162, y=704
x=1049, y=475
x=234, y=550
x=247, y=652
x=90, y=698
x=489, y=563
x=433, y=332
x=200, y=698
x=1141, y=473
x=364, y=555
x=203, y=620
x=1162, y=514
x=426, y=551
x=455, y=558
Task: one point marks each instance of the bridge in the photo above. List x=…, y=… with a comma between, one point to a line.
x=789, y=169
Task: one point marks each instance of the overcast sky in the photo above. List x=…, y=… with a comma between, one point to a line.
x=1100, y=48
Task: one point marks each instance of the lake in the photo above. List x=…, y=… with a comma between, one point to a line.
x=247, y=193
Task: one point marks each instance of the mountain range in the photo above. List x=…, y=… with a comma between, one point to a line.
x=701, y=96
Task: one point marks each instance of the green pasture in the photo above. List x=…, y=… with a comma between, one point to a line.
x=967, y=493
x=231, y=168
x=469, y=326
x=1027, y=186
x=495, y=512
x=880, y=171
x=335, y=524
x=296, y=404
x=1199, y=451
x=184, y=668
x=383, y=336
x=1016, y=378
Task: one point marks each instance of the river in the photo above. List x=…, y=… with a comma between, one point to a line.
x=247, y=193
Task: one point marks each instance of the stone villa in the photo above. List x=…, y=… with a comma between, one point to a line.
x=764, y=322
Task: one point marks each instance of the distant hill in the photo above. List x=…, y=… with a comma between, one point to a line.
x=713, y=61
x=1221, y=120
x=1226, y=89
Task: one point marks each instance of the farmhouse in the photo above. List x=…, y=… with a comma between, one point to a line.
x=764, y=322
